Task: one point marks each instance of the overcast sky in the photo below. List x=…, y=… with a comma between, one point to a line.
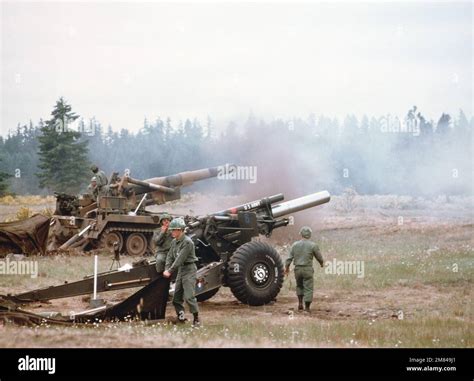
x=126, y=61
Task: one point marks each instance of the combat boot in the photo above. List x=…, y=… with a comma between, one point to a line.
x=300, y=302
x=196, y=321
x=307, y=307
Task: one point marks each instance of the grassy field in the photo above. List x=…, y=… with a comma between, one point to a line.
x=23, y=207
x=409, y=297
x=416, y=292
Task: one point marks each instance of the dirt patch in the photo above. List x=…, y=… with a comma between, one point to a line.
x=400, y=302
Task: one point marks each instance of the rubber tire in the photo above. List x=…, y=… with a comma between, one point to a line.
x=207, y=295
x=106, y=235
x=144, y=244
x=241, y=283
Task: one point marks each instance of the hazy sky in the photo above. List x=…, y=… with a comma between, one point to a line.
x=122, y=62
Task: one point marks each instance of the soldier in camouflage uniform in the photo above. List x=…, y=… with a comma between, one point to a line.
x=302, y=253
x=162, y=239
x=182, y=260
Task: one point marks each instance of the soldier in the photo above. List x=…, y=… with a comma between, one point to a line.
x=100, y=175
x=102, y=181
x=162, y=239
x=182, y=260
x=111, y=189
x=92, y=188
x=302, y=252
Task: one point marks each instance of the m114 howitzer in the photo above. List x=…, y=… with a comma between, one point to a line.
x=228, y=255
x=119, y=218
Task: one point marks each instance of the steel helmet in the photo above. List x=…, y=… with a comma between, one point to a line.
x=177, y=224
x=306, y=232
x=165, y=216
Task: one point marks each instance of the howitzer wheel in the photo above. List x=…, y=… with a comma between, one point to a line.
x=255, y=273
x=136, y=244
x=109, y=238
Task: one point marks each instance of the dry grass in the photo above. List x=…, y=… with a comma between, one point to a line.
x=22, y=207
x=26, y=200
x=238, y=332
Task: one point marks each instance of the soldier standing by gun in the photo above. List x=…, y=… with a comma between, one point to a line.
x=302, y=253
x=92, y=189
x=111, y=189
x=101, y=179
x=182, y=260
x=162, y=239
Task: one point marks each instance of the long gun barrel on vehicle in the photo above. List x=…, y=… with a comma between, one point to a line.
x=151, y=186
x=189, y=177
x=167, y=188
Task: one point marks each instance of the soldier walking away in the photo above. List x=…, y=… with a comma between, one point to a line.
x=302, y=253
x=162, y=239
x=182, y=260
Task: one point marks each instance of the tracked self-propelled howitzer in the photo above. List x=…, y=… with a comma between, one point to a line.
x=119, y=219
x=228, y=253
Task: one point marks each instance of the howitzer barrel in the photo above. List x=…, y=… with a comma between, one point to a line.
x=187, y=178
x=223, y=215
x=252, y=205
x=300, y=203
x=155, y=187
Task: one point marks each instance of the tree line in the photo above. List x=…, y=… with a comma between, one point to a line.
x=374, y=155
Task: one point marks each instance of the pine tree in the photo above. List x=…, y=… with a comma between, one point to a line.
x=364, y=125
x=426, y=127
x=3, y=182
x=462, y=126
x=350, y=127
x=443, y=126
x=62, y=153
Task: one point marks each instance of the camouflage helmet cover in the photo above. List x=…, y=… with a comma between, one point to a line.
x=177, y=224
